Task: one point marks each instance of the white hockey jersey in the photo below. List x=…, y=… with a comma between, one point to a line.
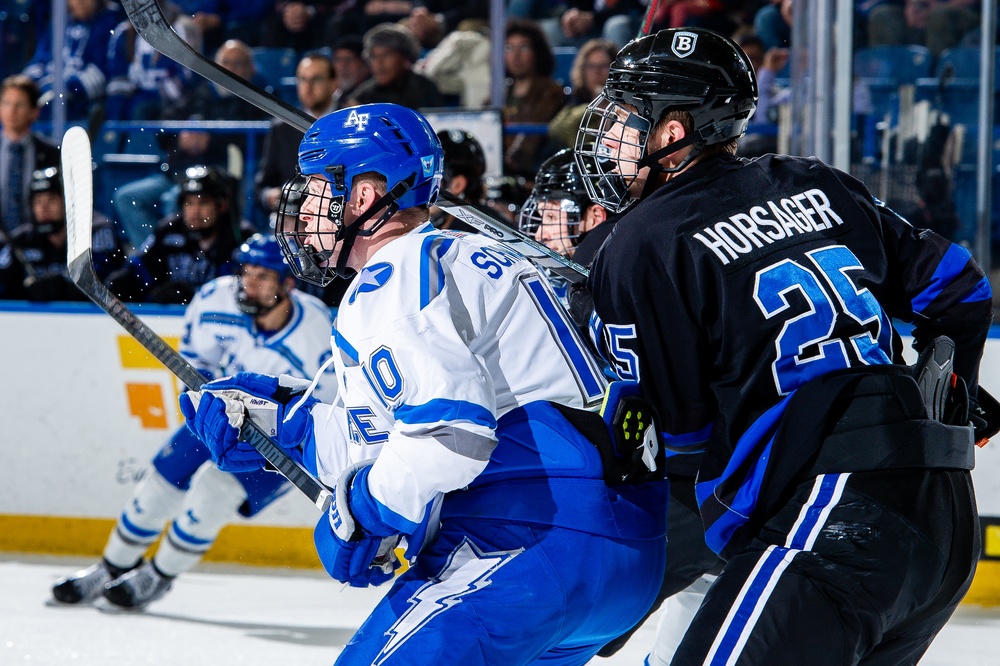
x=438, y=337
x=221, y=340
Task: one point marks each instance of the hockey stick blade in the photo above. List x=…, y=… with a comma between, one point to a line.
x=152, y=25
x=489, y=225
x=79, y=195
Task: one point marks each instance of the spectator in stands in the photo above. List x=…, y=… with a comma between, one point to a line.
x=449, y=14
x=532, y=96
x=712, y=15
x=464, y=167
x=140, y=204
x=21, y=22
x=314, y=85
x=141, y=80
x=33, y=260
x=767, y=64
x=222, y=20
x=349, y=67
x=295, y=24
x=89, y=26
x=189, y=248
x=581, y=20
x=773, y=24
x=587, y=76
x=21, y=150
x=460, y=65
x=360, y=16
x=390, y=50
x=936, y=24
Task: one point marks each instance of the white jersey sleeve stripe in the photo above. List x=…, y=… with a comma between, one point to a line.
x=224, y=319
x=431, y=273
x=344, y=346
x=580, y=360
x=441, y=409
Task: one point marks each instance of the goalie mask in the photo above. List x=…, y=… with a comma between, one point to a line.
x=679, y=69
x=553, y=213
x=387, y=140
x=262, y=252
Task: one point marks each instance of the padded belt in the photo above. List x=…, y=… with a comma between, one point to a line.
x=875, y=433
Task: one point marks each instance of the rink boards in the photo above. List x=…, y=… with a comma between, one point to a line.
x=84, y=409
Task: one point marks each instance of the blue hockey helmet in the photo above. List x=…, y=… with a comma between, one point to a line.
x=264, y=251
x=389, y=140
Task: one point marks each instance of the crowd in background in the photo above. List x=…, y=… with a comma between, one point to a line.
x=417, y=53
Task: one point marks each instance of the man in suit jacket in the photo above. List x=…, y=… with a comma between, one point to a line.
x=21, y=150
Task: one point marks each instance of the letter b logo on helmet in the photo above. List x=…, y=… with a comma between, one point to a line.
x=683, y=44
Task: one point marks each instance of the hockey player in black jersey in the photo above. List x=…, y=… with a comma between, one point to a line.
x=752, y=301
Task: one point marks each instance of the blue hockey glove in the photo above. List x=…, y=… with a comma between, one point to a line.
x=355, y=552
x=215, y=415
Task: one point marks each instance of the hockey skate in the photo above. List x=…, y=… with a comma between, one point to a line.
x=138, y=587
x=86, y=585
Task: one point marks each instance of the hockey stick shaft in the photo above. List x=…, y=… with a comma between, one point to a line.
x=648, y=18
x=152, y=25
x=77, y=180
x=489, y=225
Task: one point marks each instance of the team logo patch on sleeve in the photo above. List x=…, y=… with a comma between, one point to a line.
x=372, y=278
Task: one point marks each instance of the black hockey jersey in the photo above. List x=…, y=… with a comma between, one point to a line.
x=738, y=281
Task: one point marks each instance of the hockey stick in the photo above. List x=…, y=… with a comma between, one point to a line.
x=647, y=20
x=79, y=193
x=489, y=225
x=152, y=25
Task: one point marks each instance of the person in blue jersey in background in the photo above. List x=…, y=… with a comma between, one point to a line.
x=253, y=320
x=466, y=422
x=751, y=300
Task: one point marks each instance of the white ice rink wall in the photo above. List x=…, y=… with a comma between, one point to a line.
x=84, y=408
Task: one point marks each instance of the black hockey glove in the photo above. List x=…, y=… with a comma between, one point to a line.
x=581, y=304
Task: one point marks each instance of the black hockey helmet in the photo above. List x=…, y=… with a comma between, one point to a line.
x=48, y=180
x=463, y=156
x=559, y=190
x=45, y=180
x=206, y=180
x=687, y=69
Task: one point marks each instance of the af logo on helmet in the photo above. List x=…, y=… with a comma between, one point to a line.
x=357, y=120
x=683, y=44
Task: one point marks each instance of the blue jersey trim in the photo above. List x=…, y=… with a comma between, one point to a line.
x=695, y=441
x=225, y=319
x=752, y=454
x=431, y=275
x=952, y=264
x=345, y=346
x=442, y=409
x=298, y=314
x=981, y=292
x=586, y=370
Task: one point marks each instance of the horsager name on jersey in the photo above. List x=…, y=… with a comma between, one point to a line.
x=768, y=223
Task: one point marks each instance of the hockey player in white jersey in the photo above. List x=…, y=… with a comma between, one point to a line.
x=255, y=320
x=464, y=395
